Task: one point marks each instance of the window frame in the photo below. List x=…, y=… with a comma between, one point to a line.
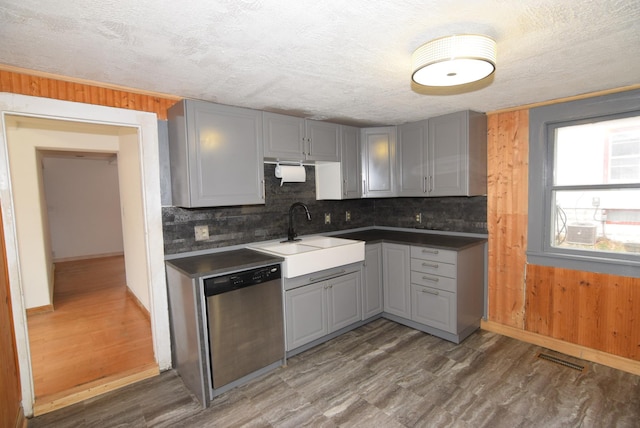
x=542, y=124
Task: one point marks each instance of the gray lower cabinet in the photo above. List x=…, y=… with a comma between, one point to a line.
x=215, y=154
x=297, y=139
x=396, y=279
x=372, y=298
x=438, y=291
x=318, y=309
x=447, y=290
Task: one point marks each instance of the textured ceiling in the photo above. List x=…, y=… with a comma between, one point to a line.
x=347, y=61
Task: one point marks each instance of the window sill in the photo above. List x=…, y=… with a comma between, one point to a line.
x=630, y=268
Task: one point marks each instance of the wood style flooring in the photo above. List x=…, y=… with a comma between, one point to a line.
x=96, y=334
x=385, y=375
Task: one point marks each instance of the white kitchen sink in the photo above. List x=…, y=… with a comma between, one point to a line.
x=313, y=253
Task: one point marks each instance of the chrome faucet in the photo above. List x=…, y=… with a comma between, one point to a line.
x=291, y=233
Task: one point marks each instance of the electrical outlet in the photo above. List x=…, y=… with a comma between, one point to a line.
x=327, y=218
x=347, y=216
x=419, y=217
x=201, y=232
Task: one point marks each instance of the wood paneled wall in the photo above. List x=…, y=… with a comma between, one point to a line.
x=597, y=311
x=10, y=394
x=590, y=309
x=25, y=84
x=507, y=169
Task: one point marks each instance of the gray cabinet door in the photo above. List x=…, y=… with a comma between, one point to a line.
x=350, y=162
x=216, y=155
x=396, y=279
x=457, y=156
x=434, y=307
x=306, y=314
x=343, y=295
x=322, y=141
x=283, y=136
x=372, y=300
x=378, y=147
x=412, y=158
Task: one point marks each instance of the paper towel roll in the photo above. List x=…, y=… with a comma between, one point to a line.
x=291, y=174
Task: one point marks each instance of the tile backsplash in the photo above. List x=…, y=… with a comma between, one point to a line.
x=252, y=223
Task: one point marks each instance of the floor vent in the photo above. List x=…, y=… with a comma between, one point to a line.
x=562, y=362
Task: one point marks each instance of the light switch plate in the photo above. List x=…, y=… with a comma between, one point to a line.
x=327, y=218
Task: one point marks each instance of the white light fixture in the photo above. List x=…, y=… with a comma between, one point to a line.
x=454, y=60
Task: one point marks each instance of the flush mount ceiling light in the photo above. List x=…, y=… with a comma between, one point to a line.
x=454, y=60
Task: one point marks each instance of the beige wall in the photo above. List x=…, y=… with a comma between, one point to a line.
x=24, y=137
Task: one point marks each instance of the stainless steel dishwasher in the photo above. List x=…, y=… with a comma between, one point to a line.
x=245, y=323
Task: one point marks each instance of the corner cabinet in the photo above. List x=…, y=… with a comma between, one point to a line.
x=341, y=180
x=396, y=281
x=443, y=156
x=378, y=151
x=297, y=139
x=216, y=155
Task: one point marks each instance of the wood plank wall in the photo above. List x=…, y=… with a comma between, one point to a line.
x=10, y=393
x=508, y=160
x=593, y=310
x=45, y=87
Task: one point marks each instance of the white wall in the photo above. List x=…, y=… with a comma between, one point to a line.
x=134, y=229
x=83, y=204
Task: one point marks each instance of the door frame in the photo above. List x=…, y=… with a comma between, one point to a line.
x=147, y=129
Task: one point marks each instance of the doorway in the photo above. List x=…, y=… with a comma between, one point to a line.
x=130, y=134
x=98, y=331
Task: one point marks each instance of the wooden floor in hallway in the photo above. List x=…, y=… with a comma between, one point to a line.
x=97, y=335
x=385, y=375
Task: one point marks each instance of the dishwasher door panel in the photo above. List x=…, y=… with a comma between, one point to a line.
x=246, y=331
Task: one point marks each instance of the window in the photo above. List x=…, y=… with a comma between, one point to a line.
x=584, y=185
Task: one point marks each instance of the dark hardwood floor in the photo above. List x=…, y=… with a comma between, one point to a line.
x=386, y=375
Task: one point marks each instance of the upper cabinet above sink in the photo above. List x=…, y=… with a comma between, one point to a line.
x=297, y=139
x=216, y=155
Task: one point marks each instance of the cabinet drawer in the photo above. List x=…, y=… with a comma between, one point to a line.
x=434, y=254
x=430, y=280
x=435, y=308
x=436, y=268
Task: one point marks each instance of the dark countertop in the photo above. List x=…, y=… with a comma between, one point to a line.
x=222, y=262
x=445, y=242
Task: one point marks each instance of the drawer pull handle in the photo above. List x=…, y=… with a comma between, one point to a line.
x=431, y=265
x=429, y=278
x=331, y=275
x=426, y=250
x=435, y=293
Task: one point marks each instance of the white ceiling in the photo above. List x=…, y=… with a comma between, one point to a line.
x=342, y=60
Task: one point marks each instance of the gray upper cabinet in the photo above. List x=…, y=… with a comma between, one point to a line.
x=341, y=180
x=413, y=169
x=457, y=155
x=378, y=154
x=323, y=141
x=216, y=155
x=443, y=156
x=297, y=139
